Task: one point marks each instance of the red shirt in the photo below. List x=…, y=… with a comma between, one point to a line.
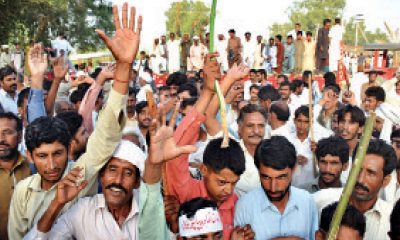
x=182, y=185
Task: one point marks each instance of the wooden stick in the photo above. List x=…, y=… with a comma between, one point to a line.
x=351, y=181
x=311, y=121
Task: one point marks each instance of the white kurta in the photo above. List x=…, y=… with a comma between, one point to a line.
x=197, y=54
x=156, y=59
x=221, y=47
x=248, y=53
x=336, y=36
x=173, y=55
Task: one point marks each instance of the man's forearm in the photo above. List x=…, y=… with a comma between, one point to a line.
x=121, y=78
x=152, y=173
x=46, y=221
x=204, y=100
x=51, y=97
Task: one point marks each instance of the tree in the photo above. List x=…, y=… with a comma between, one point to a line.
x=350, y=32
x=310, y=14
x=182, y=15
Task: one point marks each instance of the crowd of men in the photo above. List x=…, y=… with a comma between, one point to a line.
x=72, y=167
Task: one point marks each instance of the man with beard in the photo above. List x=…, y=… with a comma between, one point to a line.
x=8, y=91
x=48, y=139
x=13, y=166
x=351, y=122
x=286, y=210
x=116, y=212
x=130, y=108
x=379, y=162
x=79, y=135
x=333, y=156
x=144, y=121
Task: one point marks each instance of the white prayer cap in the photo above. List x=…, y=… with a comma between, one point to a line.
x=128, y=151
x=80, y=73
x=205, y=220
x=196, y=37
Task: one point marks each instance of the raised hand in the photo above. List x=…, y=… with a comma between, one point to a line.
x=211, y=70
x=125, y=43
x=162, y=144
x=237, y=72
x=242, y=233
x=60, y=68
x=107, y=72
x=37, y=63
x=70, y=186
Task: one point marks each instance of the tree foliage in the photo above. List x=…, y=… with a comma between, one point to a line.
x=350, y=34
x=42, y=20
x=182, y=15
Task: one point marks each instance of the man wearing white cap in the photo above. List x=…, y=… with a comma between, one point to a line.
x=144, y=81
x=115, y=214
x=197, y=53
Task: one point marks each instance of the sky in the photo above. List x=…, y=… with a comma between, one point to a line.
x=257, y=15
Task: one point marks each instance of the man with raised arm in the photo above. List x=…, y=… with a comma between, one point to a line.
x=47, y=138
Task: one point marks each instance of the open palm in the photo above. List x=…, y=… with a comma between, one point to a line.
x=125, y=43
x=163, y=146
x=37, y=60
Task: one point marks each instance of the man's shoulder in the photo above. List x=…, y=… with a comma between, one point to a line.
x=310, y=186
x=249, y=198
x=301, y=194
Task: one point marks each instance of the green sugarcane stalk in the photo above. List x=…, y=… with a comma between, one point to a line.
x=351, y=181
x=222, y=110
x=212, y=24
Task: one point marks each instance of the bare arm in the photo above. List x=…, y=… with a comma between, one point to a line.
x=60, y=69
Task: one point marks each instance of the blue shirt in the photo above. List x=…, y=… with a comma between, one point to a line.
x=36, y=108
x=300, y=218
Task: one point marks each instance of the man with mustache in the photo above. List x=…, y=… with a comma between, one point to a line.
x=351, y=122
x=275, y=209
x=333, y=156
x=375, y=174
x=117, y=212
x=8, y=90
x=48, y=139
x=13, y=165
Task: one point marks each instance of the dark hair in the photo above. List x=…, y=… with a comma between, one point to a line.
x=281, y=110
x=284, y=84
x=188, y=87
x=73, y=120
x=290, y=36
x=395, y=221
x=356, y=114
x=352, y=218
x=303, y=110
x=395, y=133
x=377, y=92
x=309, y=33
x=295, y=84
x=190, y=207
x=334, y=146
x=334, y=87
x=262, y=71
x=252, y=70
x=140, y=106
x=247, y=33
x=12, y=116
x=254, y=86
x=23, y=95
x=231, y=31
x=251, y=108
x=337, y=20
x=177, y=79
x=268, y=92
x=231, y=157
x=78, y=95
x=46, y=130
x=277, y=153
x=163, y=88
x=286, y=79
x=306, y=73
x=131, y=91
x=5, y=71
x=299, y=33
x=96, y=72
x=279, y=37
x=330, y=78
x=326, y=20
x=381, y=148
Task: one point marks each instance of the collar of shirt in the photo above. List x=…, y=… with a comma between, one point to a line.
x=5, y=94
x=101, y=205
x=290, y=205
x=379, y=208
